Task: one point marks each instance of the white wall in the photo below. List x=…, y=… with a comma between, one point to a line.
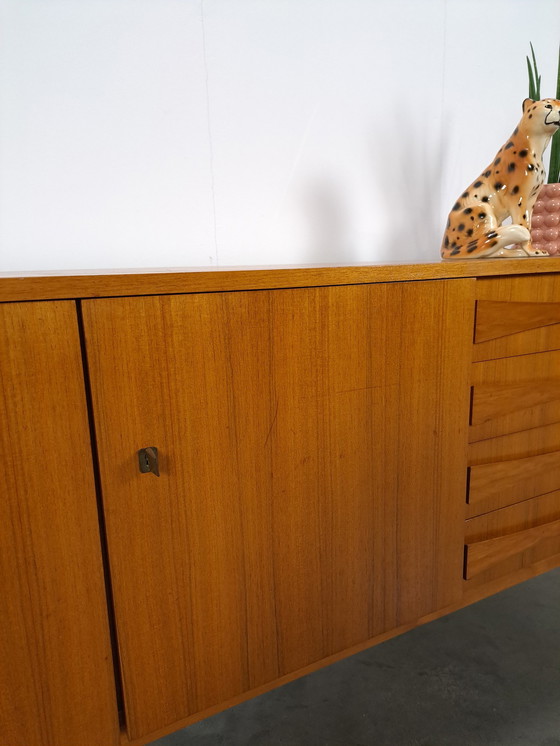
x=151, y=133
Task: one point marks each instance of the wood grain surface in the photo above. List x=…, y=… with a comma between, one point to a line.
x=486, y=554
x=518, y=445
x=496, y=319
x=529, y=299
x=514, y=394
x=502, y=483
x=520, y=535
x=56, y=673
x=472, y=594
x=313, y=465
x=97, y=283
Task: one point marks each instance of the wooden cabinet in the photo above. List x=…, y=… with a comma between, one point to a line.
x=311, y=444
x=338, y=462
x=56, y=673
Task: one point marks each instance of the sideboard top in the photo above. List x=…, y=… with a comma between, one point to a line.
x=23, y=286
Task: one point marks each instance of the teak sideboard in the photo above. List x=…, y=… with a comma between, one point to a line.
x=343, y=453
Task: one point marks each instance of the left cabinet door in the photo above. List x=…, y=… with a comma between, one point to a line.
x=56, y=673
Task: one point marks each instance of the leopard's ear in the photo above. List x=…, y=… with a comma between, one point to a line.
x=527, y=103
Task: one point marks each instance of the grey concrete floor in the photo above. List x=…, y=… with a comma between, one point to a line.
x=488, y=675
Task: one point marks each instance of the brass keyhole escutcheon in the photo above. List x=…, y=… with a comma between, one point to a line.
x=148, y=460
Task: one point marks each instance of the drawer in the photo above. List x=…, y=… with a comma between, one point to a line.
x=496, y=485
x=509, y=539
x=515, y=328
x=516, y=445
x=514, y=394
x=516, y=316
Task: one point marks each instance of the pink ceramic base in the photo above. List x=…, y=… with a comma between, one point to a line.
x=545, y=223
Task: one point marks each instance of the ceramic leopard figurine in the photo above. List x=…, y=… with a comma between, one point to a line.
x=508, y=187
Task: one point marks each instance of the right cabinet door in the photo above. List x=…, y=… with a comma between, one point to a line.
x=312, y=456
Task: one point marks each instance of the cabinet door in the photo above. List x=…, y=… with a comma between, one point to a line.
x=312, y=447
x=56, y=674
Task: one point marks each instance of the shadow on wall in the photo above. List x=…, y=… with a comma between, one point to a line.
x=327, y=222
x=408, y=181
x=404, y=205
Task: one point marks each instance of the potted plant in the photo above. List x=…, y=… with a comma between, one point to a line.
x=545, y=222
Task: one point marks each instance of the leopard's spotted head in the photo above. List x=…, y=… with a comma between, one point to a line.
x=541, y=117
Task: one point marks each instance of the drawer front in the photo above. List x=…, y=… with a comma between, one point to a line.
x=514, y=394
x=516, y=316
x=496, y=485
x=509, y=539
x=516, y=445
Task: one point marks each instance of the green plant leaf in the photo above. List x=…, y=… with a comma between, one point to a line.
x=537, y=76
x=554, y=163
x=534, y=77
x=558, y=76
x=531, y=80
